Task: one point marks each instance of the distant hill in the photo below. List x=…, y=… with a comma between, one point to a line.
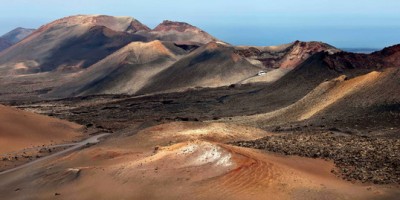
x=13, y=37
x=360, y=50
x=17, y=34
x=179, y=32
x=125, y=71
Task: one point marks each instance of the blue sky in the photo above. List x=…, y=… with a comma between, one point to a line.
x=342, y=23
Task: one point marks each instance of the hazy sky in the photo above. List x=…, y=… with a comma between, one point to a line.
x=343, y=23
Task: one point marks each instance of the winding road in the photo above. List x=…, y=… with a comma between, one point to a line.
x=74, y=146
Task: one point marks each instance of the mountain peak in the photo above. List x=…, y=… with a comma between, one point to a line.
x=17, y=34
x=168, y=25
x=181, y=32
x=121, y=24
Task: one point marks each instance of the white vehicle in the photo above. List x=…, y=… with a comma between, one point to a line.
x=261, y=73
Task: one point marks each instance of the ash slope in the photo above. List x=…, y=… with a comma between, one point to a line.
x=212, y=65
x=125, y=71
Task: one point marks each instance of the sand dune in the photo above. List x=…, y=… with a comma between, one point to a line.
x=21, y=129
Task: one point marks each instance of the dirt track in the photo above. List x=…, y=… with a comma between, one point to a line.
x=75, y=146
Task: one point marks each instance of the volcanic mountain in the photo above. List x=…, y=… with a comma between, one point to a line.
x=17, y=34
x=96, y=54
x=285, y=56
x=153, y=67
x=179, y=32
x=279, y=60
x=13, y=37
x=70, y=43
x=211, y=65
x=125, y=71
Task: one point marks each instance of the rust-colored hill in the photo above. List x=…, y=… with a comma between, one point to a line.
x=21, y=129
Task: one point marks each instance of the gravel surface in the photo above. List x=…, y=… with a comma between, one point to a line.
x=358, y=158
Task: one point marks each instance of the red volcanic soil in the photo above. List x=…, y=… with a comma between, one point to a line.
x=21, y=129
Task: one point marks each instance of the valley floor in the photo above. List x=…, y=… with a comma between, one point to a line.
x=184, y=160
x=187, y=143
